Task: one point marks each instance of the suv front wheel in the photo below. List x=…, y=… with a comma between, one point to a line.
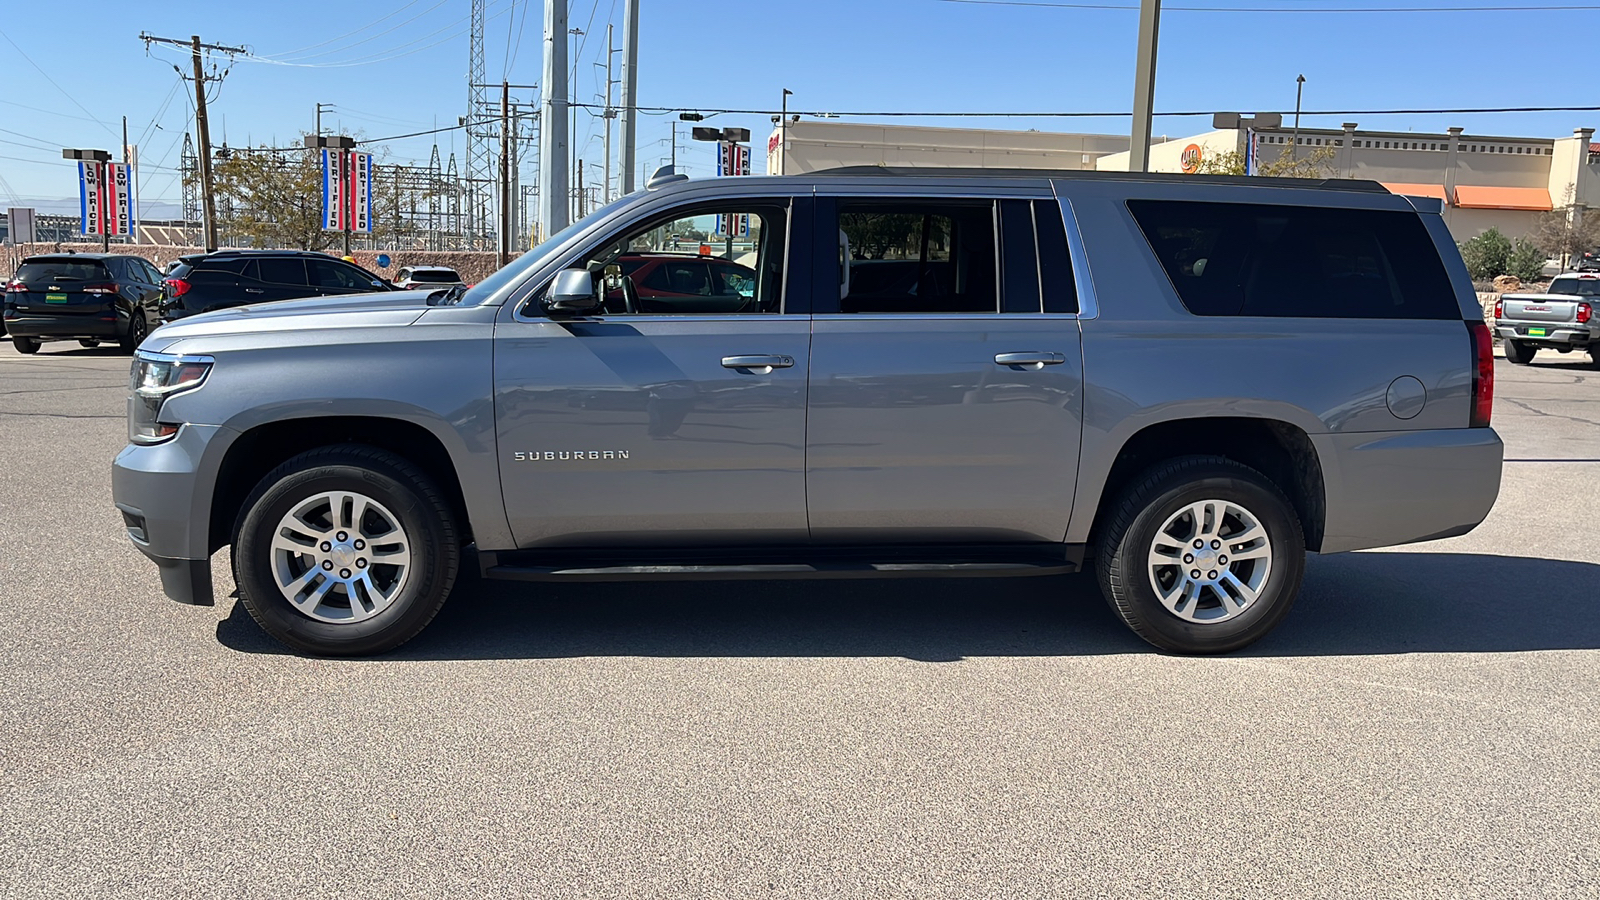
x=1201, y=555
x=344, y=551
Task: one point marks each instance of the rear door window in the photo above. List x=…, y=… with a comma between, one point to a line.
x=287, y=271
x=899, y=256
x=1237, y=259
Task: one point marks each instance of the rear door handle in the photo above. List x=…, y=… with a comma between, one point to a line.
x=1029, y=359
x=255, y=290
x=759, y=365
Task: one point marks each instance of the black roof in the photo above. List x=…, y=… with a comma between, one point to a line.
x=244, y=251
x=64, y=254
x=1336, y=184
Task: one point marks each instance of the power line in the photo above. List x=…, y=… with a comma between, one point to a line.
x=350, y=33
x=1277, y=9
x=56, y=86
x=990, y=114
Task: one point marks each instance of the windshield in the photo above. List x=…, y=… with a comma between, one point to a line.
x=61, y=270
x=1583, y=287
x=522, y=266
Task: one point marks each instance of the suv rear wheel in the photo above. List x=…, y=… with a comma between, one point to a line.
x=137, y=329
x=1201, y=555
x=25, y=345
x=345, y=550
x=1519, y=353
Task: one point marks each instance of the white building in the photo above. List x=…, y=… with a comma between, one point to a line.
x=813, y=145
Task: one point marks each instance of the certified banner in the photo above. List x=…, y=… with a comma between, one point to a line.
x=91, y=198
x=332, y=190
x=119, y=199
x=360, y=191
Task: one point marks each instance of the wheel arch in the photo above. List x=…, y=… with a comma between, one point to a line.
x=264, y=447
x=1281, y=451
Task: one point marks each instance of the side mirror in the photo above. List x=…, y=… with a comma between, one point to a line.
x=573, y=294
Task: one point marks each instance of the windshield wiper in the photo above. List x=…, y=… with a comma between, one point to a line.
x=447, y=297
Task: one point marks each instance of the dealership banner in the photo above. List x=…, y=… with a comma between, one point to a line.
x=91, y=198
x=733, y=159
x=360, y=191
x=333, y=208
x=119, y=199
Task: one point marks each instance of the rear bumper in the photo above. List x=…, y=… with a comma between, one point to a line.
x=1555, y=333
x=1399, y=487
x=100, y=325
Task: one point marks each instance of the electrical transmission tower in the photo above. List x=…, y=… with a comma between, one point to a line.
x=480, y=137
x=189, y=174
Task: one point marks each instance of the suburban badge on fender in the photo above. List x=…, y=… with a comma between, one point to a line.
x=557, y=455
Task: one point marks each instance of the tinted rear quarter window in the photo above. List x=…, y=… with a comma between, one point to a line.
x=282, y=270
x=1238, y=259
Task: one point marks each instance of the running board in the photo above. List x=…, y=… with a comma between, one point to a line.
x=778, y=572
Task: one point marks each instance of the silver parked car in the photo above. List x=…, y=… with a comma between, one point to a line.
x=432, y=278
x=934, y=373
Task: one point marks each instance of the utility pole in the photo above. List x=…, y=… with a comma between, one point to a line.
x=609, y=113
x=201, y=126
x=1144, y=84
x=581, y=211
x=321, y=107
x=553, y=141
x=505, y=172
x=630, y=92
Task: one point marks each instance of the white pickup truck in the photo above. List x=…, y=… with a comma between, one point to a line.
x=1561, y=319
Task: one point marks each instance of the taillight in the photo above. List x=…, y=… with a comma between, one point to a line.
x=99, y=289
x=15, y=287
x=176, y=287
x=1482, y=374
x=1585, y=312
x=1499, y=309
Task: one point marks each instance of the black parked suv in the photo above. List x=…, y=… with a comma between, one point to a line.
x=90, y=297
x=207, y=281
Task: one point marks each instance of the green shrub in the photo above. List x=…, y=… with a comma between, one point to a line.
x=1526, y=260
x=1487, y=254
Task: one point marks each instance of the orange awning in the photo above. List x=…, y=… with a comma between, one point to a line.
x=1436, y=191
x=1479, y=197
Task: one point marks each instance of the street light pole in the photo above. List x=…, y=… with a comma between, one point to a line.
x=1299, y=88
x=783, y=135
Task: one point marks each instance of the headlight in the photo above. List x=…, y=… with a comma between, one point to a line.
x=155, y=377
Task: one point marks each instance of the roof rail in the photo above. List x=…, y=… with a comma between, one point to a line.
x=1336, y=184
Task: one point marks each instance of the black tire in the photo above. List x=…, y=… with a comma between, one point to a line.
x=88, y=344
x=138, y=328
x=393, y=482
x=1519, y=353
x=25, y=344
x=1594, y=356
x=1161, y=492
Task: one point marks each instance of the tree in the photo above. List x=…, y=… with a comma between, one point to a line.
x=1487, y=255
x=1526, y=260
x=276, y=196
x=1568, y=231
x=1318, y=163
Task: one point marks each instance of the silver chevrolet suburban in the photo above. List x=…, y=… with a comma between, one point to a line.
x=911, y=373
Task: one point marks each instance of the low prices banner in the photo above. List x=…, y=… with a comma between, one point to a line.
x=91, y=198
x=733, y=159
x=333, y=204
x=118, y=192
x=360, y=191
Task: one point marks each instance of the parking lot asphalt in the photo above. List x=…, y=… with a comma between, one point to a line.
x=1424, y=724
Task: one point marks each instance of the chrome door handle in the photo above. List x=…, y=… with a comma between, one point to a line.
x=759, y=365
x=1029, y=360
x=254, y=290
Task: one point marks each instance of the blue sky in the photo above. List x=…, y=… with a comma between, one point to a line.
x=399, y=66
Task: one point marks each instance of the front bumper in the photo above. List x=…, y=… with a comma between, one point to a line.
x=164, y=494
x=98, y=326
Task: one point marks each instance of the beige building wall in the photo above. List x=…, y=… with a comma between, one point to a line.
x=814, y=145
x=1168, y=156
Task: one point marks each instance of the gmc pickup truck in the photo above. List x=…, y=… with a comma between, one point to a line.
x=1561, y=319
